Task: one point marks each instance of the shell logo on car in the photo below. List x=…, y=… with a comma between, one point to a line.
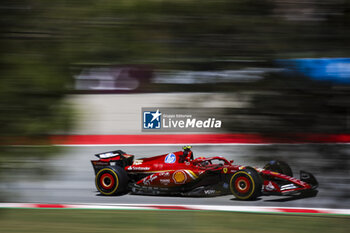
x=179, y=177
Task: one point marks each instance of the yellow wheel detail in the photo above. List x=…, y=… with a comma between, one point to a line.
x=107, y=181
x=242, y=185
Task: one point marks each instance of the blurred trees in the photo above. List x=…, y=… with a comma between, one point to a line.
x=42, y=41
x=134, y=31
x=34, y=72
x=289, y=106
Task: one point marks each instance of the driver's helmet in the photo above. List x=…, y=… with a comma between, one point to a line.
x=186, y=147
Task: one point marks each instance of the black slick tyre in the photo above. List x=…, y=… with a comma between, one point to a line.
x=111, y=180
x=246, y=184
x=280, y=167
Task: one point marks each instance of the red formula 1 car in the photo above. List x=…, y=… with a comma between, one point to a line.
x=178, y=173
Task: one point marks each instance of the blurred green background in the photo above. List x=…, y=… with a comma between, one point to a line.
x=44, y=44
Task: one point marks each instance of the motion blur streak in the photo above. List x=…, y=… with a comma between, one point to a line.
x=279, y=68
x=197, y=139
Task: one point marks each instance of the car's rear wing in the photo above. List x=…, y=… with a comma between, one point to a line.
x=110, y=154
x=112, y=158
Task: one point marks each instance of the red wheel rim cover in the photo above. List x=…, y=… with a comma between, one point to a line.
x=246, y=181
x=108, y=176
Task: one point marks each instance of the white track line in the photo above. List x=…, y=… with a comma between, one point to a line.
x=245, y=209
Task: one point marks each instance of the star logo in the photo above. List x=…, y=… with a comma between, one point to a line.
x=156, y=115
x=152, y=119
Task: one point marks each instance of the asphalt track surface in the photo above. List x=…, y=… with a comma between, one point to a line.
x=70, y=179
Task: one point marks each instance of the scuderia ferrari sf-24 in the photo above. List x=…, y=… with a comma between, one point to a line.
x=178, y=173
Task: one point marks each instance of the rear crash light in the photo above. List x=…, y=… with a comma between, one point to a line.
x=106, y=155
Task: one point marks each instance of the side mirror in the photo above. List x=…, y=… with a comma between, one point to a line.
x=231, y=161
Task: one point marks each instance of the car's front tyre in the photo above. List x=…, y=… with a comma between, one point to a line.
x=246, y=184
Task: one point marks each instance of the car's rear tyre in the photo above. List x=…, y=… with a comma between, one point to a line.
x=246, y=184
x=111, y=180
x=279, y=166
